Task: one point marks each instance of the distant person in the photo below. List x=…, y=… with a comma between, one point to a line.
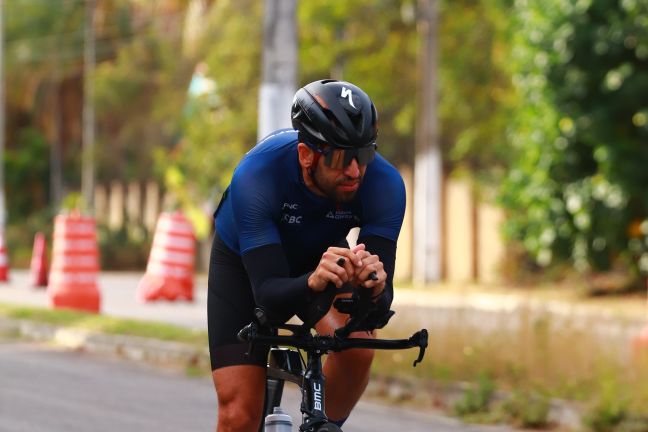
x=280, y=232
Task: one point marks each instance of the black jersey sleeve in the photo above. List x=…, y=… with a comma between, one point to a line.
x=278, y=294
x=282, y=296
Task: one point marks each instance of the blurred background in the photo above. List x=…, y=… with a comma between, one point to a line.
x=519, y=126
x=539, y=113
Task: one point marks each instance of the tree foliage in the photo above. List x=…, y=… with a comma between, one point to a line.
x=476, y=96
x=374, y=45
x=578, y=190
x=143, y=70
x=216, y=132
x=140, y=92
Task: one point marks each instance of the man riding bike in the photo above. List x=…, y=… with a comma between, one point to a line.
x=280, y=239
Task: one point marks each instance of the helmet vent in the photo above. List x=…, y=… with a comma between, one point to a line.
x=357, y=123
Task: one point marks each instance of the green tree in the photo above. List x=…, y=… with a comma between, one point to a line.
x=578, y=190
x=140, y=92
x=476, y=96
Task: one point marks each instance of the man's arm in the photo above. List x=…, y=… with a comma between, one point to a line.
x=280, y=295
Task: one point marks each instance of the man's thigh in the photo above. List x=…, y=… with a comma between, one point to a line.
x=230, y=307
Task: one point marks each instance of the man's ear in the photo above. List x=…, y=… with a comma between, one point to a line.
x=306, y=155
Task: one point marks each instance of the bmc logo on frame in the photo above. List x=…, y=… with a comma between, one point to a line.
x=317, y=396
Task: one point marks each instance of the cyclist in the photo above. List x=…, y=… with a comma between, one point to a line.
x=280, y=237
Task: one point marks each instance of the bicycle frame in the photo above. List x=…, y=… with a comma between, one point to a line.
x=281, y=368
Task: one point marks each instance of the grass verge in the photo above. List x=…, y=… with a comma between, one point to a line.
x=514, y=362
x=104, y=324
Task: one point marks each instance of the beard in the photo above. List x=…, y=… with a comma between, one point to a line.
x=330, y=187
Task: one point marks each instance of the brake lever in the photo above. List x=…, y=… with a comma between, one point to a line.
x=248, y=334
x=420, y=338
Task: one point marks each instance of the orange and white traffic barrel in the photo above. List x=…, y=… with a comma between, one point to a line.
x=75, y=264
x=4, y=260
x=170, y=269
x=38, y=267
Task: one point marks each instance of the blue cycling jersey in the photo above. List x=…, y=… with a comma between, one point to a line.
x=268, y=202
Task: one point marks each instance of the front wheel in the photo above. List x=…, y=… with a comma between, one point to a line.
x=329, y=427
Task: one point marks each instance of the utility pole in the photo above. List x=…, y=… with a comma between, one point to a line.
x=278, y=84
x=88, y=171
x=56, y=168
x=3, y=208
x=427, y=163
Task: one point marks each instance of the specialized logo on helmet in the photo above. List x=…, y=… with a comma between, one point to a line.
x=347, y=93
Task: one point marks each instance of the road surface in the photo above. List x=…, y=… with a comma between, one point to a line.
x=45, y=389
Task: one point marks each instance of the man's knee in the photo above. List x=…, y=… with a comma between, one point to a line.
x=238, y=417
x=240, y=391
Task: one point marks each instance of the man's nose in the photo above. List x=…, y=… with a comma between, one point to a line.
x=353, y=169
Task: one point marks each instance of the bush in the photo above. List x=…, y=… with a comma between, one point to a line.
x=126, y=248
x=527, y=408
x=19, y=237
x=477, y=398
x=577, y=192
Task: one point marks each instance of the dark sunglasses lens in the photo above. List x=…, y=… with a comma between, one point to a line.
x=366, y=155
x=338, y=159
x=335, y=159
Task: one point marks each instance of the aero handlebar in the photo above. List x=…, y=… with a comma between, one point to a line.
x=308, y=342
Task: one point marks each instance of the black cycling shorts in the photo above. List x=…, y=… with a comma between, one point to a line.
x=230, y=307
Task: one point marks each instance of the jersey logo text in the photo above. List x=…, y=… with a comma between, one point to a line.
x=291, y=219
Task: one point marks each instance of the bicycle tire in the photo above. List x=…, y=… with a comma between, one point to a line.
x=329, y=427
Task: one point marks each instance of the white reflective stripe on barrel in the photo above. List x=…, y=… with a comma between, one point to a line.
x=159, y=269
x=169, y=225
x=79, y=245
x=165, y=255
x=58, y=277
x=77, y=229
x=75, y=261
x=175, y=242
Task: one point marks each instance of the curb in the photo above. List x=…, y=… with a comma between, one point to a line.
x=135, y=348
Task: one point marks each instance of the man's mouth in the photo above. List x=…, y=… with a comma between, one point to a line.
x=349, y=186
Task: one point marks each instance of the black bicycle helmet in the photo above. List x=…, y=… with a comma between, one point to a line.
x=336, y=113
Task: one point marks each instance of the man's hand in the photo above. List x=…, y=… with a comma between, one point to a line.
x=358, y=264
x=330, y=270
x=370, y=264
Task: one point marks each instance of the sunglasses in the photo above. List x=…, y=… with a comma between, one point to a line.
x=341, y=158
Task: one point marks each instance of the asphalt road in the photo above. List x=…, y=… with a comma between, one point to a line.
x=45, y=389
